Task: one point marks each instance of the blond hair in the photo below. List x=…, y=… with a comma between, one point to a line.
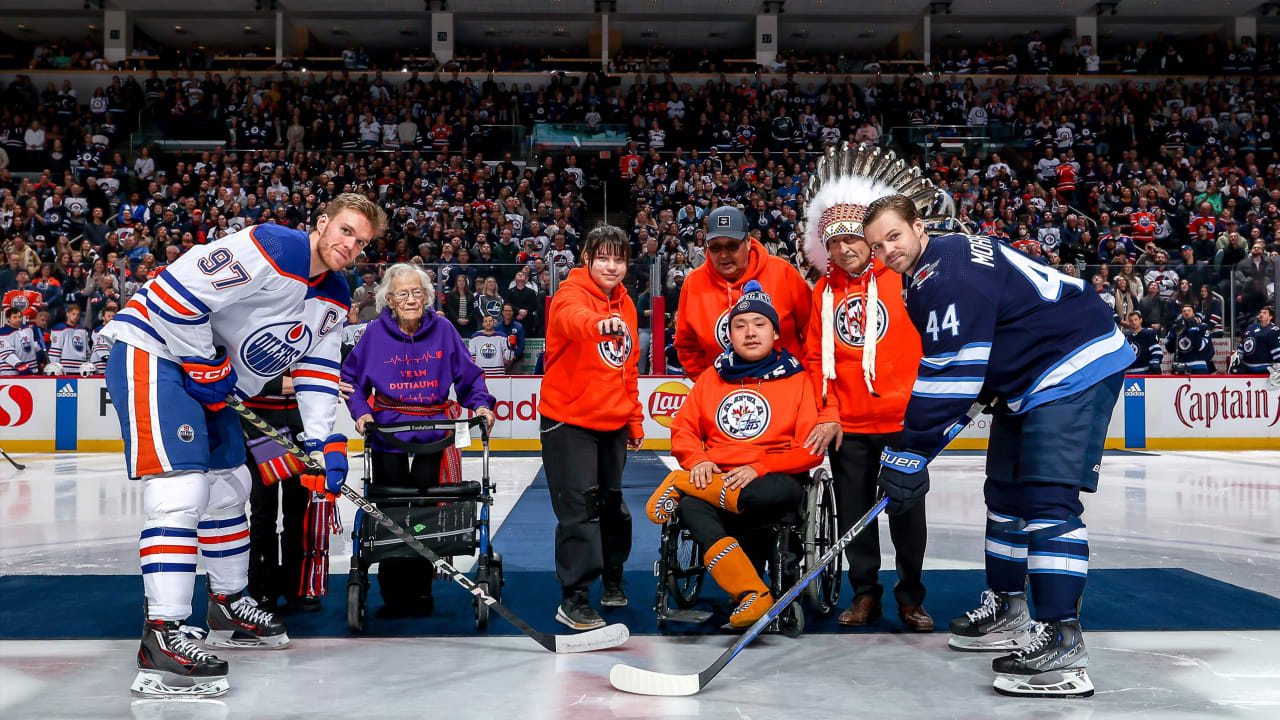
x=356, y=202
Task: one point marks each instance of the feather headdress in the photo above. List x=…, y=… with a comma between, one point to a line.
x=848, y=180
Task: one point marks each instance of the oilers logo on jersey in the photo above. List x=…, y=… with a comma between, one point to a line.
x=850, y=321
x=77, y=342
x=615, y=351
x=272, y=349
x=743, y=414
x=488, y=352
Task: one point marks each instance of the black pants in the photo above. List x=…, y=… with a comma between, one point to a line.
x=766, y=500
x=403, y=581
x=275, y=559
x=855, y=467
x=593, y=524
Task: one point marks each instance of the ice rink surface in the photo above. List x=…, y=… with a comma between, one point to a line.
x=1212, y=513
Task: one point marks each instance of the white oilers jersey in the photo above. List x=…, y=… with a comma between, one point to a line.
x=101, y=351
x=351, y=334
x=249, y=293
x=69, y=346
x=491, y=352
x=18, y=349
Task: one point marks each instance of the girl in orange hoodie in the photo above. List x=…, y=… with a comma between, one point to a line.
x=590, y=408
x=740, y=438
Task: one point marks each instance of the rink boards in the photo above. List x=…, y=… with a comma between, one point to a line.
x=1213, y=412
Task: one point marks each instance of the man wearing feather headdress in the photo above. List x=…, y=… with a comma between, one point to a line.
x=862, y=353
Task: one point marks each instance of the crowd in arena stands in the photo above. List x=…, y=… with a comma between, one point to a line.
x=1159, y=193
x=1059, y=53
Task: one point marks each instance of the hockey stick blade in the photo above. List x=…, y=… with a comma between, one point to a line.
x=646, y=682
x=598, y=639
x=16, y=465
x=609, y=636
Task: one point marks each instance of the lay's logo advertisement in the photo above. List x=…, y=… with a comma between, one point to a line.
x=666, y=400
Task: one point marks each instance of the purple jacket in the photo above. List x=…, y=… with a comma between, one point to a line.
x=418, y=370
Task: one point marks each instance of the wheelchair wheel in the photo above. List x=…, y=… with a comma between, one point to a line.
x=685, y=572
x=357, y=595
x=482, y=609
x=820, y=533
x=791, y=621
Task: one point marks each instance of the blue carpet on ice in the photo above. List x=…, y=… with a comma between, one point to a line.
x=109, y=606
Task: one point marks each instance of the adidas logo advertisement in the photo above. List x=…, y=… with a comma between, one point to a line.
x=1134, y=390
x=67, y=391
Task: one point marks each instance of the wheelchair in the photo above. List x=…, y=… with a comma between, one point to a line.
x=452, y=520
x=795, y=542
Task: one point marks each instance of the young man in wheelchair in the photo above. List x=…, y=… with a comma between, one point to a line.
x=739, y=437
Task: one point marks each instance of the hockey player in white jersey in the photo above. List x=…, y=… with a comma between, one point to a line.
x=19, y=346
x=69, y=347
x=225, y=318
x=101, y=344
x=491, y=351
x=996, y=324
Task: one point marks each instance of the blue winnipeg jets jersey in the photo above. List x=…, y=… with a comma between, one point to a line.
x=249, y=292
x=1148, y=351
x=1191, y=345
x=1260, y=347
x=994, y=322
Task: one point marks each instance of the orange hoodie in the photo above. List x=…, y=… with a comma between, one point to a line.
x=761, y=423
x=702, y=327
x=591, y=380
x=897, y=354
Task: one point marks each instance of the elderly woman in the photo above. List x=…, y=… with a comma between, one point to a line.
x=402, y=369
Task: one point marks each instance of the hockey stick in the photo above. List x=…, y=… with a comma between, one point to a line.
x=16, y=465
x=647, y=682
x=598, y=639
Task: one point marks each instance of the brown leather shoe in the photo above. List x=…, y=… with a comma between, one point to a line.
x=863, y=610
x=915, y=618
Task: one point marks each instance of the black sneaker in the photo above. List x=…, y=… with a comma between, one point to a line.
x=614, y=596
x=576, y=612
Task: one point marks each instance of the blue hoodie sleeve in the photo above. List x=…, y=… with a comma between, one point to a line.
x=468, y=378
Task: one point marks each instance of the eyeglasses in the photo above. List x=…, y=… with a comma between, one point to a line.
x=406, y=294
x=729, y=247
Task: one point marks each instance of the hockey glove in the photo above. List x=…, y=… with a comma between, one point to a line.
x=26, y=368
x=53, y=368
x=903, y=478
x=210, y=381
x=1233, y=365
x=331, y=456
x=87, y=369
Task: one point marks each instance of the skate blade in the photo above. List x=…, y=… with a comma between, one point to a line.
x=1053, y=684
x=170, y=686
x=230, y=639
x=991, y=642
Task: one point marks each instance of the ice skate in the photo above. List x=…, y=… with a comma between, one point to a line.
x=236, y=621
x=1051, y=665
x=1001, y=623
x=172, y=665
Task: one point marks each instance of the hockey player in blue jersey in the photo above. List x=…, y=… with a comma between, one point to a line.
x=223, y=319
x=1191, y=343
x=1259, y=349
x=1145, y=344
x=1046, y=352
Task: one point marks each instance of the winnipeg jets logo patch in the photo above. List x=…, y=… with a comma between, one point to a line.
x=615, y=351
x=722, y=330
x=743, y=414
x=1247, y=345
x=1134, y=347
x=851, y=319
x=1184, y=343
x=269, y=350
